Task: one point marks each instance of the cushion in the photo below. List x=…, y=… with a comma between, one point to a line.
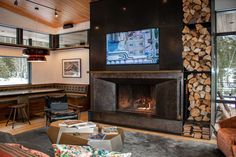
x=17, y=150
x=234, y=150
x=225, y=140
x=58, y=106
x=84, y=151
x=55, y=99
x=64, y=113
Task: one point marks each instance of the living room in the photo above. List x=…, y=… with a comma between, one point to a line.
x=159, y=74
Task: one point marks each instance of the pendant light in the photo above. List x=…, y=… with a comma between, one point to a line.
x=35, y=54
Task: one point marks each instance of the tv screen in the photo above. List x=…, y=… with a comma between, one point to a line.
x=133, y=47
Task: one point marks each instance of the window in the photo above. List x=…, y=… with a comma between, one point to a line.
x=74, y=39
x=35, y=39
x=226, y=54
x=7, y=35
x=226, y=64
x=14, y=70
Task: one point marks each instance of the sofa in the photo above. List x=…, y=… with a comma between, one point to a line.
x=226, y=137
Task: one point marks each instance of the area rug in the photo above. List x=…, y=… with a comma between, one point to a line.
x=139, y=144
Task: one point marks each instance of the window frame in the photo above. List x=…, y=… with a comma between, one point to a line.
x=6, y=36
x=29, y=65
x=32, y=40
x=84, y=30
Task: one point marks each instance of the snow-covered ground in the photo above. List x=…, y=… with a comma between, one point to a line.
x=12, y=81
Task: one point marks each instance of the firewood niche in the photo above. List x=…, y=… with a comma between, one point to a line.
x=197, y=62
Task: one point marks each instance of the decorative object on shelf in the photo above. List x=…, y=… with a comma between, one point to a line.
x=71, y=67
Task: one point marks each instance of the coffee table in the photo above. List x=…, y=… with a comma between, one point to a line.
x=111, y=142
x=64, y=135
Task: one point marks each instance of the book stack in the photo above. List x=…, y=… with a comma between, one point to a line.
x=78, y=124
x=99, y=136
x=110, y=130
x=71, y=123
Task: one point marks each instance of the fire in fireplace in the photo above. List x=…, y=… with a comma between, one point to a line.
x=137, y=99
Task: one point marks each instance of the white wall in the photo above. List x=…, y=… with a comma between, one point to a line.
x=10, y=51
x=51, y=71
x=70, y=54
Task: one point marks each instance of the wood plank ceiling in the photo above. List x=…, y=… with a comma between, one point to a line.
x=72, y=11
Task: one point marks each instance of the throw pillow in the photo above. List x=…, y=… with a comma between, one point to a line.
x=17, y=150
x=62, y=150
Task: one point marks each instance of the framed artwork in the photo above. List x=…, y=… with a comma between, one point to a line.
x=71, y=67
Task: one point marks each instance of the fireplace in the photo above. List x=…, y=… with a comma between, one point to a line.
x=150, y=100
x=137, y=98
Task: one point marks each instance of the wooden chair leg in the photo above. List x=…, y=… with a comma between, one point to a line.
x=22, y=115
x=14, y=118
x=27, y=118
x=9, y=116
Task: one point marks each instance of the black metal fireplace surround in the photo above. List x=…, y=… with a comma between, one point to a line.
x=140, y=99
x=145, y=96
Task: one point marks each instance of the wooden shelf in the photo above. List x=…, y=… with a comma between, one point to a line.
x=26, y=46
x=204, y=24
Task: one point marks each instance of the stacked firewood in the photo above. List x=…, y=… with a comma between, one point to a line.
x=196, y=131
x=197, y=49
x=187, y=130
x=199, y=97
x=196, y=11
x=197, y=58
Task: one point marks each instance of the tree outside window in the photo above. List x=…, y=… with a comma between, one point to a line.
x=13, y=70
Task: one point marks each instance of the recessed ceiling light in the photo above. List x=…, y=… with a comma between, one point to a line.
x=164, y=1
x=124, y=8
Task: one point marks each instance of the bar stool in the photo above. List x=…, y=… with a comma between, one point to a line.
x=19, y=109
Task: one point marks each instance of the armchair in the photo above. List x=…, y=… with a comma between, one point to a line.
x=57, y=108
x=226, y=137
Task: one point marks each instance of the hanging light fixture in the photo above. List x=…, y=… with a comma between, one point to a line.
x=36, y=54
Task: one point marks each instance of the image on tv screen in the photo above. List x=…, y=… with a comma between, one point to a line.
x=133, y=47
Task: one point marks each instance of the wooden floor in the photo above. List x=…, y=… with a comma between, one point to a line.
x=40, y=122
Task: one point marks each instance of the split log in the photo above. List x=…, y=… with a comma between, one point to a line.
x=196, y=51
x=196, y=11
x=198, y=86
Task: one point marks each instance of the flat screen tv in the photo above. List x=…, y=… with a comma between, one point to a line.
x=133, y=47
